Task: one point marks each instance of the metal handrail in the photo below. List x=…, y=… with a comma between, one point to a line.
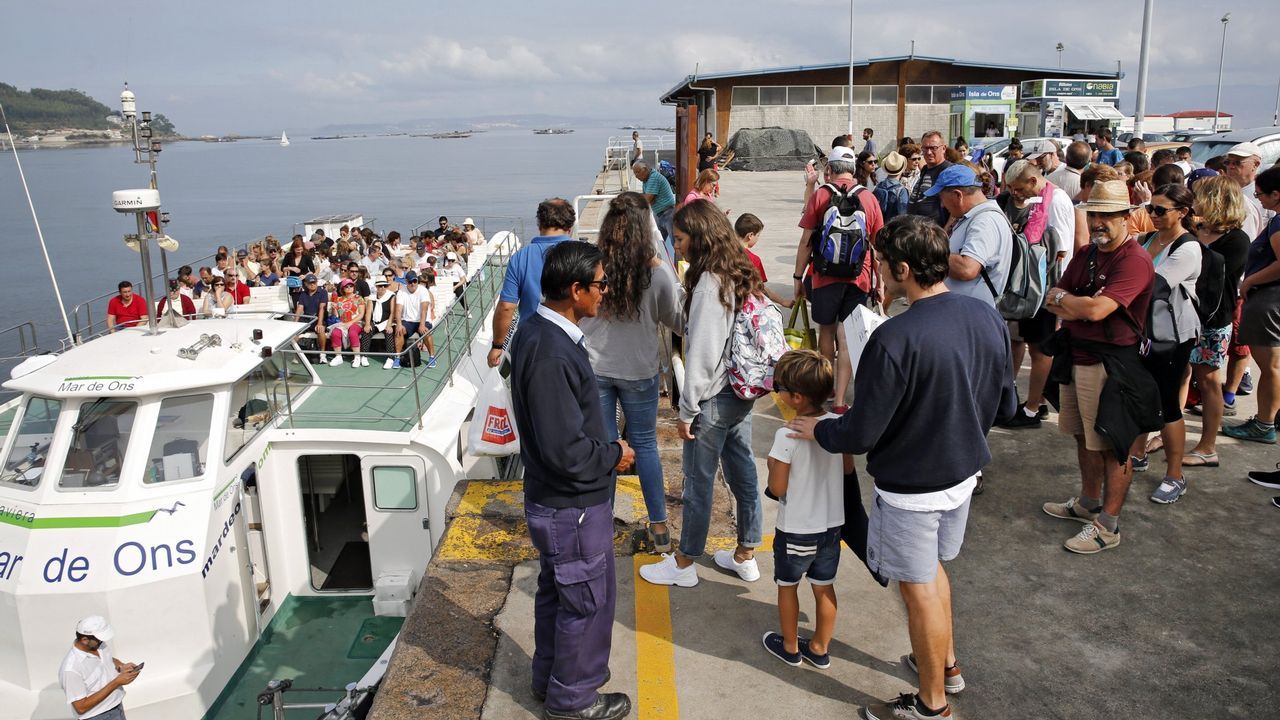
x=481, y=292
x=23, y=329
x=578, y=230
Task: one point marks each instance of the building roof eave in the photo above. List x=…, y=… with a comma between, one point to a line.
x=1048, y=72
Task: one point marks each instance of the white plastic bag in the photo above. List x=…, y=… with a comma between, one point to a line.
x=493, y=427
x=857, y=330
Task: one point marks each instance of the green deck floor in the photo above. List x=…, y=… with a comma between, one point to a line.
x=318, y=642
x=383, y=403
x=385, y=399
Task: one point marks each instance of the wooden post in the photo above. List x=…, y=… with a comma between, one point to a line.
x=693, y=134
x=682, y=133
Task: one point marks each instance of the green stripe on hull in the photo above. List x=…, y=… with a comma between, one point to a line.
x=64, y=523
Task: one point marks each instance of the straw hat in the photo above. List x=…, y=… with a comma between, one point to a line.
x=1107, y=197
x=894, y=163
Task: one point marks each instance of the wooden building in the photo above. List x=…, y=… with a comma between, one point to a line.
x=894, y=96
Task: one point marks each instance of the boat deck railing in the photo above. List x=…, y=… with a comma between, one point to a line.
x=452, y=334
x=589, y=228
x=17, y=343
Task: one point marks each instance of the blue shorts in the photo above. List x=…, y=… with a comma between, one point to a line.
x=816, y=555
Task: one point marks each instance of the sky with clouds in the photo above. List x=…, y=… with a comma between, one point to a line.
x=236, y=66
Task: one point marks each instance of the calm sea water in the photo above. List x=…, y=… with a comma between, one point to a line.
x=231, y=193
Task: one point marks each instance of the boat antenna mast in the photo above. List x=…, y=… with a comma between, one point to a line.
x=66, y=323
x=144, y=141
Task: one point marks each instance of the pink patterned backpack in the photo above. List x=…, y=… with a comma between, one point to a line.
x=755, y=345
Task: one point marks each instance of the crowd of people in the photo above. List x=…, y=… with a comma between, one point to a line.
x=1160, y=283
x=356, y=286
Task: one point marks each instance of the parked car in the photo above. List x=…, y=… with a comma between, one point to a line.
x=1123, y=138
x=1186, y=136
x=1266, y=138
x=998, y=150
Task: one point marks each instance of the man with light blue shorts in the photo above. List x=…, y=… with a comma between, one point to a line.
x=931, y=382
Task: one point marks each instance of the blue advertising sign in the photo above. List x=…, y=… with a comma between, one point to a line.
x=984, y=92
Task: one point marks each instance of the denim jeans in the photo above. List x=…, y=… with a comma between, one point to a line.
x=665, y=219
x=722, y=436
x=639, y=400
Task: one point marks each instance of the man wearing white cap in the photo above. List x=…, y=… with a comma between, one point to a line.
x=94, y=680
x=1242, y=163
x=454, y=273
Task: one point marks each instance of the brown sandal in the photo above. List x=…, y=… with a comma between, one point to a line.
x=1155, y=444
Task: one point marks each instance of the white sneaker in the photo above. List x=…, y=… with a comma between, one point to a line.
x=336, y=361
x=324, y=358
x=667, y=572
x=364, y=361
x=387, y=365
x=749, y=570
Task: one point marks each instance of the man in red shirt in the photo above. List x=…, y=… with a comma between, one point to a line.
x=832, y=299
x=125, y=309
x=1102, y=300
x=239, y=291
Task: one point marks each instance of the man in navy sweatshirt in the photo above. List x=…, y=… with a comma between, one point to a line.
x=931, y=382
x=570, y=473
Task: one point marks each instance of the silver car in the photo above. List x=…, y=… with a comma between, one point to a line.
x=1266, y=138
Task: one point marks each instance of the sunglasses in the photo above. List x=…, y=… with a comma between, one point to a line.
x=412, y=282
x=1160, y=210
x=602, y=282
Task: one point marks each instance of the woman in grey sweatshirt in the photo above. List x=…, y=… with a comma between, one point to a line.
x=622, y=341
x=715, y=423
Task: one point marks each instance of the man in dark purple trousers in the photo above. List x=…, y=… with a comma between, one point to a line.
x=570, y=473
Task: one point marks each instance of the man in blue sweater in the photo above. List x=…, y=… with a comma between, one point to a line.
x=570, y=472
x=931, y=382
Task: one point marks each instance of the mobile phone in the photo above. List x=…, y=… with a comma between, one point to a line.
x=138, y=667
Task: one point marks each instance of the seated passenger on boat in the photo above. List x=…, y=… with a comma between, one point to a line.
x=352, y=313
x=238, y=291
x=217, y=301
x=414, y=311
x=125, y=309
x=186, y=307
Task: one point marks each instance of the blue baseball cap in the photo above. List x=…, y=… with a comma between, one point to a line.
x=953, y=177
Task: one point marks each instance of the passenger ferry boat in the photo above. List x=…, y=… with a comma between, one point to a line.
x=239, y=513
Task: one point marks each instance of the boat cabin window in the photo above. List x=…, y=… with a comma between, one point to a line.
x=25, y=461
x=394, y=488
x=253, y=405
x=98, y=442
x=181, y=439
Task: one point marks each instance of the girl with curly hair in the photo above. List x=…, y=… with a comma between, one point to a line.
x=643, y=295
x=715, y=423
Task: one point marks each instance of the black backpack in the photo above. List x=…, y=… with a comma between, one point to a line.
x=1211, y=286
x=841, y=246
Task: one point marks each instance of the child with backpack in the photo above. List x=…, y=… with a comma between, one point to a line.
x=890, y=192
x=809, y=484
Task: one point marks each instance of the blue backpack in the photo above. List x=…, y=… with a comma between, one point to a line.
x=893, y=198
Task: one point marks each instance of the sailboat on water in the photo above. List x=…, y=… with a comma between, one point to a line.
x=284, y=139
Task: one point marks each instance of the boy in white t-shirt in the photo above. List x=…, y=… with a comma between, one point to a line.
x=809, y=484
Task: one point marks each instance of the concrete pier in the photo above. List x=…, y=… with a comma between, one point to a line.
x=1174, y=623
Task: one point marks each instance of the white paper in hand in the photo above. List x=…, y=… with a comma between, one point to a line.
x=493, y=427
x=857, y=330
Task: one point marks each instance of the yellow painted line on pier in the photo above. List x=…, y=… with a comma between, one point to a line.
x=655, y=653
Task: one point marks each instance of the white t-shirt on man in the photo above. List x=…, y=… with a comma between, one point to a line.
x=83, y=674
x=814, y=501
x=411, y=305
